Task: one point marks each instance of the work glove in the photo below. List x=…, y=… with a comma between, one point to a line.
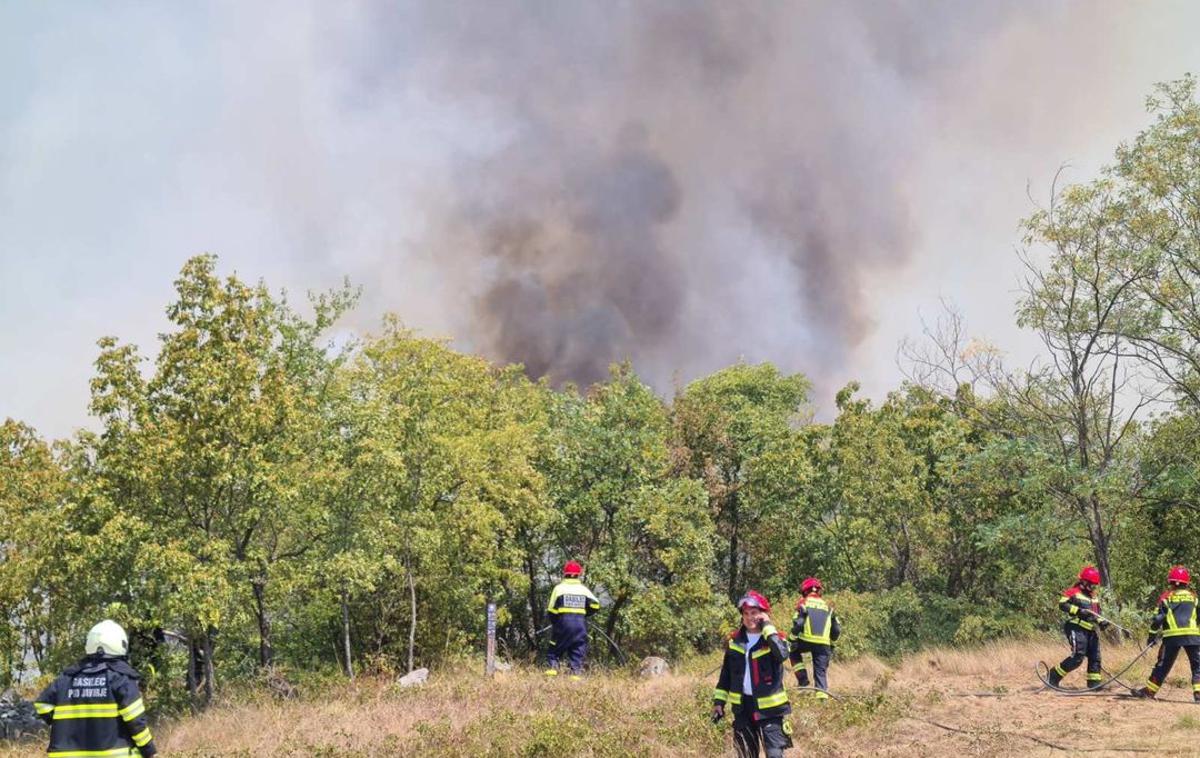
x=718, y=713
x=1086, y=615
x=1152, y=639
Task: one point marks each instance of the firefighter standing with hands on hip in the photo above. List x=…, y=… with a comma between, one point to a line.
x=751, y=681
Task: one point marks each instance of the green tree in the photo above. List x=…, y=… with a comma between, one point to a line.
x=727, y=425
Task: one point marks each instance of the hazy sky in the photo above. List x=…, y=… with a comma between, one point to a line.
x=561, y=183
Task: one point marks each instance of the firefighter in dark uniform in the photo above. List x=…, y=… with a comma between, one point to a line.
x=94, y=708
x=814, y=630
x=1082, y=607
x=570, y=605
x=1176, y=621
x=751, y=681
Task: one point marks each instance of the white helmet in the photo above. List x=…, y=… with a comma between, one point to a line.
x=107, y=637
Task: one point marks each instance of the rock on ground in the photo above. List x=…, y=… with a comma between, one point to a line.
x=654, y=666
x=414, y=678
x=18, y=720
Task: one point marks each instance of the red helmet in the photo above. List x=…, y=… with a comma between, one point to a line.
x=572, y=569
x=1089, y=574
x=1179, y=575
x=810, y=584
x=755, y=599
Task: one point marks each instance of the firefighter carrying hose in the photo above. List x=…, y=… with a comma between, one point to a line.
x=751, y=680
x=1082, y=607
x=814, y=630
x=570, y=605
x=1176, y=621
x=94, y=707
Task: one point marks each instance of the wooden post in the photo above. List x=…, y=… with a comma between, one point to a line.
x=490, y=665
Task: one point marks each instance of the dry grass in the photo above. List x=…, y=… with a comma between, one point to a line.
x=985, y=701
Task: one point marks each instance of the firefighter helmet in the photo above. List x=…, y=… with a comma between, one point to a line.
x=108, y=638
x=1089, y=574
x=755, y=600
x=572, y=569
x=1179, y=575
x=810, y=584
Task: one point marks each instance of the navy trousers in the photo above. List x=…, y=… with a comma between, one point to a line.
x=570, y=642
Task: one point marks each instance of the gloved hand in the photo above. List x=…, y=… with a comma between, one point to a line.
x=1086, y=615
x=1152, y=639
x=718, y=713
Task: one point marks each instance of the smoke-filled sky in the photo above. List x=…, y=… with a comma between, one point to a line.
x=564, y=184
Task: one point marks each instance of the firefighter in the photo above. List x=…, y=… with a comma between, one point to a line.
x=815, y=628
x=751, y=681
x=1082, y=607
x=570, y=605
x=94, y=707
x=1176, y=621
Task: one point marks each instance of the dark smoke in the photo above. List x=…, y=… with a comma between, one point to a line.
x=632, y=137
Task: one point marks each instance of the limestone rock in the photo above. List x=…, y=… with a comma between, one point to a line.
x=654, y=666
x=414, y=678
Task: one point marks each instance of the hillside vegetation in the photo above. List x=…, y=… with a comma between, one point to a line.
x=939, y=702
x=265, y=489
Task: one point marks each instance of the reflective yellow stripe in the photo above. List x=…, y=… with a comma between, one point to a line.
x=1151, y=686
x=133, y=710
x=141, y=738
x=569, y=610
x=735, y=698
x=86, y=711
x=770, y=701
x=43, y=708
x=760, y=653
x=121, y=751
x=736, y=647
x=719, y=694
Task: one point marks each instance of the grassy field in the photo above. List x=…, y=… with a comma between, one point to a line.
x=937, y=703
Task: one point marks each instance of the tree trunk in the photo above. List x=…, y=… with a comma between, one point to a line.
x=266, y=653
x=347, y=666
x=210, y=674
x=535, y=605
x=412, y=624
x=610, y=626
x=192, y=679
x=1099, y=539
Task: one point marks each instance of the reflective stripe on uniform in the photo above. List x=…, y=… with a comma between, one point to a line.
x=86, y=711
x=760, y=653
x=141, y=738
x=816, y=609
x=770, y=701
x=568, y=610
x=120, y=751
x=43, y=708
x=735, y=698
x=1183, y=600
x=720, y=694
x=133, y=710
x=736, y=647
